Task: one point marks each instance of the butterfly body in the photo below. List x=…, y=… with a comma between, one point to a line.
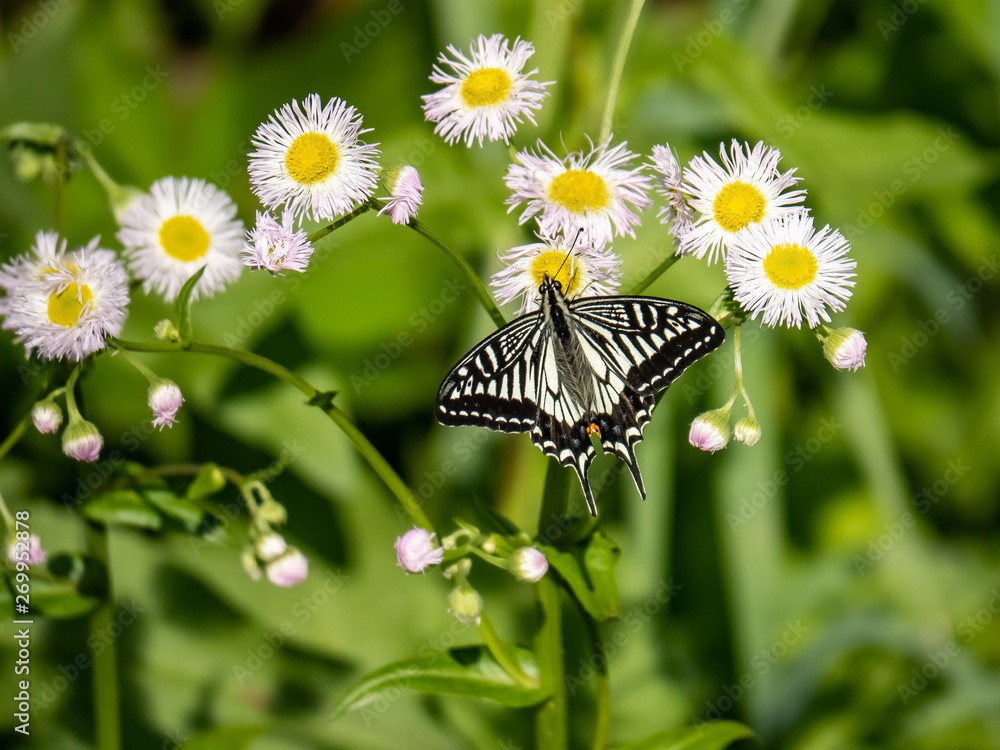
x=576, y=368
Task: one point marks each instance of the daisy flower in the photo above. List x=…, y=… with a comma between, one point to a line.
x=789, y=271
x=309, y=159
x=405, y=190
x=578, y=266
x=277, y=247
x=486, y=96
x=164, y=398
x=181, y=225
x=415, y=550
x=591, y=190
x=65, y=305
x=669, y=185
x=46, y=253
x=746, y=189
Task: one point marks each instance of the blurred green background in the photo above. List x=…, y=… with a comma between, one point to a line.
x=835, y=586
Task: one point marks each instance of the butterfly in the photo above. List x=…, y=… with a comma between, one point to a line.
x=576, y=368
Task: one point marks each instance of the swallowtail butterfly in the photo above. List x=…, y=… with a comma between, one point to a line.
x=575, y=368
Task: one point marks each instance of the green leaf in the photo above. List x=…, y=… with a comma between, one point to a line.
x=590, y=573
x=209, y=481
x=125, y=507
x=182, y=307
x=702, y=736
x=62, y=603
x=466, y=671
x=224, y=738
x=171, y=505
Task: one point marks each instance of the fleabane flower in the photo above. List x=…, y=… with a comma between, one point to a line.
x=578, y=266
x=81, y=440
x=787, y=271
x=844, y=348
x=64, y=306
x=310, y=161
x=165, y=398
x=747, y=431
x=528, y=564
x=405, y=190
x=669, y=184
x=46, y=253
x=30, y=553
x=595, y=190
x=180, y=225
x=288, y=569
x=745, y=189
x=277, y=247
x=46, y=416
x=415, y=550
x=710, y=431
x=485, y=95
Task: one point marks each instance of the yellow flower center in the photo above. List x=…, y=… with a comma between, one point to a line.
x=66, y=306
x=555, y=264
x=183, y=237
x=790, y=266
x=312, y=158
x=580, y=190
x=737, y=205
x=486, y=86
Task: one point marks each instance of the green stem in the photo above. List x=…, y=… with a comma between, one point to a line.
x=105, y=673
x=602, y=726
x=505, y=655
x=323, y=400
x=485, y=299
x=321, y=233
x=738, y=357
x=11, y=440
x=618, y=67
x=551, y=717
x=653, y=275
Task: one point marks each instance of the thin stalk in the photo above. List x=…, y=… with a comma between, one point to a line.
x=618, y=67
x=653, y=275
x=505, y=655
x=316, y=398
x=105, y=659
x=11, y=440
x=551, y=718
x=324, y=231
x=602, y=726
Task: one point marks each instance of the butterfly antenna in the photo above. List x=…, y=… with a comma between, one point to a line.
x=569, y=253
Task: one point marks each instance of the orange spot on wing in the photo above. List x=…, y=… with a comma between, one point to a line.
x=593, y=429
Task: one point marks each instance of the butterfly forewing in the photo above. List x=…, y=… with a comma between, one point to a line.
x=494, y=385
x=577, y=368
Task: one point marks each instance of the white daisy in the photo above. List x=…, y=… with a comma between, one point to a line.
x=406, y=190
x=747, y=188
x=277, y=247
x=579, y=266
x=788, y=271
x=181, y=225
x=67, y=310
x=584, y=190
x=309, y=159
x=46, y=253
x=486, y=96
x=677, y=211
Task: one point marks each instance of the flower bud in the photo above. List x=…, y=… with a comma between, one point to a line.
x=82, y=440
x=405, y=190
x=710, y=431
x=46, y=415
x=466, y=604
x=289, y=569
x=528, y=564
x=15, y=552
x=249, y=562
x=415, y=550
x=272, y=511
x=747, y=430
x=271, y=546
x=165, y=399
x=845, y=348
x=165, y=330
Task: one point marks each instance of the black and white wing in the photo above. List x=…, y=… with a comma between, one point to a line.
x=494, y=385
x=637, y=346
